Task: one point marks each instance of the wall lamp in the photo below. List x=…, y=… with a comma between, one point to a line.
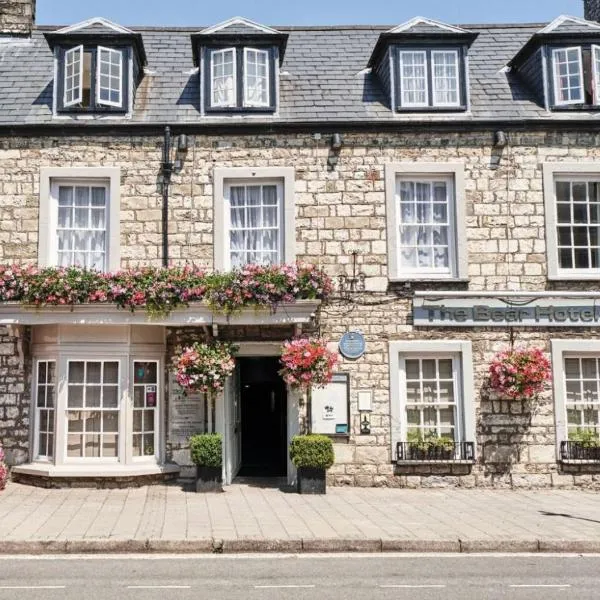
x=500, y=139
x=336, y=143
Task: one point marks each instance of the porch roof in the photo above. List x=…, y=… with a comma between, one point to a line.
x=197, y=313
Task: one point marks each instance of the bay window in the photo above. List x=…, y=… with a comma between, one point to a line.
x=93, y=408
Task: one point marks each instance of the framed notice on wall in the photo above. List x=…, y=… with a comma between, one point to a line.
x=330, y=406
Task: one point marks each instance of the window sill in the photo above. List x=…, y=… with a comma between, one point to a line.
x=579, y=461
x=407, y=463
x=575, y=277
x=431, y=109
x=428, y=279
x=105, y=470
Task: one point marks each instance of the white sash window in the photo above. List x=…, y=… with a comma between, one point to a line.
x=255, y=224
x=445, y=78
x=413, y=79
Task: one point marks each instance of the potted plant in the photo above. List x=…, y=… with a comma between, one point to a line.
x=519, y=374
x=585, y=444
x=430, y=446
x=3, y=470
x=207, y=454
x=312, y=455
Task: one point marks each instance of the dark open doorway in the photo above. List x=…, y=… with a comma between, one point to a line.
x=264, y=418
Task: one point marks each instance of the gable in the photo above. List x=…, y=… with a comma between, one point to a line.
x=239, y=26
x=569, y=25
x=95, y=25
x=421, y=25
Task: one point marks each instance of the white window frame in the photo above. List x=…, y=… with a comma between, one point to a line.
x=50, y=178
x=280, y=206
x=553, y=172
x=267, y=55
x=79, y=96
x=157, y=409
x=556, y=76
x=457, y=234
x=54, y=195
x=222, y=177
x=233, y=103
x=455, y=358
x=458, y=80
x=562, y=349
x=402, y=78
x=110, y=52
x=461, y=351
x=36, y=411
x=122, y=379
x=596, y=72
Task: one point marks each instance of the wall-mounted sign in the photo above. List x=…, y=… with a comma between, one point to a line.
x=186, y=413
x=497, y=312
x=329, y=406
x=352, y=345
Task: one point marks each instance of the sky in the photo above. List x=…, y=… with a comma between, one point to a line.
x=192, y=13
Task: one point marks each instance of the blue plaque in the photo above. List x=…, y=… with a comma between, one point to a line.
x=352, y=344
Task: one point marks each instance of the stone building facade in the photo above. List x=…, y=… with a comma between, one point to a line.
x=499, y=163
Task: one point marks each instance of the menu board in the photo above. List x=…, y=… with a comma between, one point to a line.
x=186, y=413
x=329, y=406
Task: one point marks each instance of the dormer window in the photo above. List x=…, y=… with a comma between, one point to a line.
x=98, y=66
x=93, y=79
x=430, y=77
x=240, y=78
x=239, y=64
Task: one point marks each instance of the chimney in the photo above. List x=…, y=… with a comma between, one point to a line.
x=17, y=17
x=591, y=10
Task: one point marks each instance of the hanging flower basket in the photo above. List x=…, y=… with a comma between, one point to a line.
x=307, y=363
x=520, y=374
x=3, y=470
x=204, y=367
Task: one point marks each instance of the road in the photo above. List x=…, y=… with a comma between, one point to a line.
x=301, y=577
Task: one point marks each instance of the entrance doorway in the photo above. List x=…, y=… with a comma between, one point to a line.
x=263, y=401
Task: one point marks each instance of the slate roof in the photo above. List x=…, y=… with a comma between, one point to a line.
x=323, y=79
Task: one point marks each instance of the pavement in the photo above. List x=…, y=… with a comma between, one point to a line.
x=300, y=577
x=252, y=518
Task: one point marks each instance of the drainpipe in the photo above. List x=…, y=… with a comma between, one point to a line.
x=166, y=172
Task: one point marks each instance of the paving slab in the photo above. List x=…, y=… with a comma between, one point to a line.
x=247, y=518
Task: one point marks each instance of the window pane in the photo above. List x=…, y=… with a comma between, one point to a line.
x=567, y=74
x=445, y=78
x=413, y=78
x=577, y=231
x=256, y=78
x=223, y=77
x=430, y=397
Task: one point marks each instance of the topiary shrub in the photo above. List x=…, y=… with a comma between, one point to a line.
x=312, y=451
x=207, y=449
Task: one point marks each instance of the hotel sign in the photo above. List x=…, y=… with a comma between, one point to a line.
x=496, y=312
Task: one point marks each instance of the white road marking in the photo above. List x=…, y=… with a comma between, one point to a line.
x=32, y=587
x=540, y=585
x=406, y=585
x=159, y=587
x=269, y=587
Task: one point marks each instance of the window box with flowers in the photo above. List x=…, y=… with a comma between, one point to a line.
x=253, y=294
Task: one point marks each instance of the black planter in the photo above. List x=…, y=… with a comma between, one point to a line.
x=311, y=480
x=209, y=479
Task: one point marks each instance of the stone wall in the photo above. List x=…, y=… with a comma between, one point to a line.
x=338, y=211
x=15, y=398
x=17, y=17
